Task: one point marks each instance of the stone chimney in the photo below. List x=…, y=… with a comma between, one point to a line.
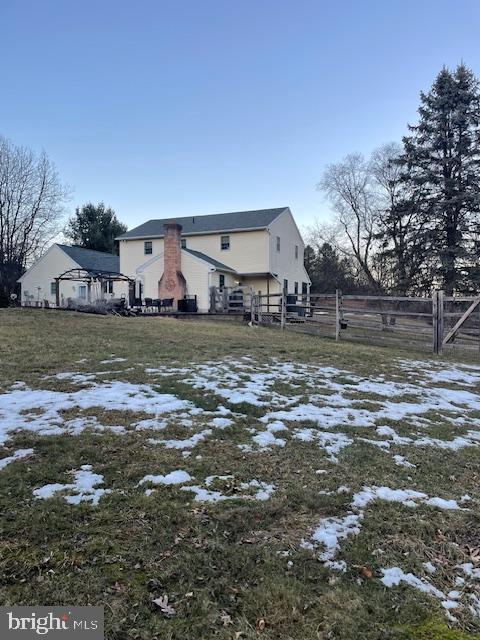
x=172, y=283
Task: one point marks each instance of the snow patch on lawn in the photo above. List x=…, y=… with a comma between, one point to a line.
x=221, y=423
x=17, y=455
x=113, y=360
x=45, y=407
x=187, y=443
x=332, y=530
x=174, y=477
x=402, y=462
x=467, y=375
x=83, y=489
x=261, y=490
x=332, y=442
x=393, y=576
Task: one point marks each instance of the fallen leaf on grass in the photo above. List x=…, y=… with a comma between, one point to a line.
x=474, y=553
x=365, y=572
x=260, y=624
x=167, y=610
x=225, y=619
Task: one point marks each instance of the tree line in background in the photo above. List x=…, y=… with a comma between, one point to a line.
x=32, y=215
x=406, y=219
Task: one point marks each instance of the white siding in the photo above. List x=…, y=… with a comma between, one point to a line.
x=198, y=275
x=248, y=251
x=132, y=254
x=37, y=280
x=283, y=263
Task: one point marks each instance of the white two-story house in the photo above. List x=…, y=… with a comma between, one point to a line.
x=171, y=258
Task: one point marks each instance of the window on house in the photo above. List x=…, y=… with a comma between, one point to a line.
x=183, y=242
x=225, y=243
x=278, y=243
x=296, y=252
x=221, y=280
x=295, y=288
x=285, y=286
x=82, y=292
x=147, y=247
x=53, y=288
x=108, y=286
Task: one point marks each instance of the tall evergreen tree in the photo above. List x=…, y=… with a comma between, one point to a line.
x=329, y=271
x=95, y=227
x=441, y=163
x=402, y=231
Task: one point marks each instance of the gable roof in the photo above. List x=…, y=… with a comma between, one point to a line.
x=92, y=260
x=217, y=222
x=215, y=263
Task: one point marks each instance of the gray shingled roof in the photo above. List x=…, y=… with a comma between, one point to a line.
x=206, y=224
x=92, y=260
x=212, y=261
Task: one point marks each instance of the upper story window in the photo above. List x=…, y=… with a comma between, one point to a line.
x=221, y=280
x=296, y=252
x=278, y=243
x=224, y=243
x=183, y=243
x=295, y=287
x=147, y=248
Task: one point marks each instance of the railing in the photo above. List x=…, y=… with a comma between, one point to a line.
x=436, y=322
x=231, y=299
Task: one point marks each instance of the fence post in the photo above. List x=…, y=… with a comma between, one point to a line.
x=225, y=299
x=437, y=320
x=440, y=323
x=259, y=311
x=338, y=295
x=283, y=310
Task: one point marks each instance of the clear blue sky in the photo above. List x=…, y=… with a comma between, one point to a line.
x=170, y=108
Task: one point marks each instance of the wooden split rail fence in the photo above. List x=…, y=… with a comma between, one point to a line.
x=436, y=322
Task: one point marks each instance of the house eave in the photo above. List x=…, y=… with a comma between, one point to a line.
x=193, y=233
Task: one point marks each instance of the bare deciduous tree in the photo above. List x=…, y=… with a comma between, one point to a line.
x=349, y=187
x=378, y=221
x=31, y=207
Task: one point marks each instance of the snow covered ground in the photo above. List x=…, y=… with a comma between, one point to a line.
x=271, y=407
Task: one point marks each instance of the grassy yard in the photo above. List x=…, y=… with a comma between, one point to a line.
x=209, y=480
